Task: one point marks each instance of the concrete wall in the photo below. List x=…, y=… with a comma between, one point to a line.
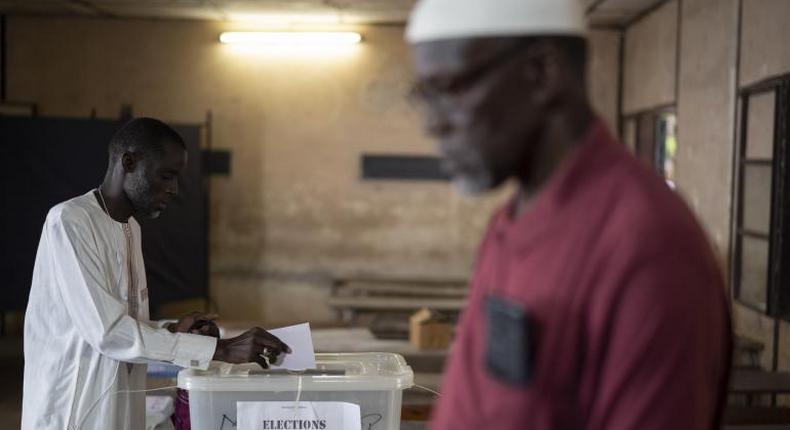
x=294, y=213
x=650, y=60
x=706, y=111
x=764, y=35
x=604, y=75
x=703, y=82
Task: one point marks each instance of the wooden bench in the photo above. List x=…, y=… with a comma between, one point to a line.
x=748, y=381
x=756, y=416
x=747, y=352
x=398, y=298
x=403, y=290
x=758, y=427
x=396, y=303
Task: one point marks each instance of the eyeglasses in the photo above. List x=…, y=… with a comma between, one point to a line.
x=435, y=94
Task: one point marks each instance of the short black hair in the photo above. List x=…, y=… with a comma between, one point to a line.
x=146, y=135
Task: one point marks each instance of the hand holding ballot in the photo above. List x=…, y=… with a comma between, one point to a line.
x=254, y=345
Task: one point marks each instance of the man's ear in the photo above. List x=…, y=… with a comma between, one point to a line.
x=129, y=162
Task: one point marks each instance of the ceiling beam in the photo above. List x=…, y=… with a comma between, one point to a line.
x=591, y=8
x=89, y=7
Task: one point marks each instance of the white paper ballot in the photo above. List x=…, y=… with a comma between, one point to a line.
x=297, y=416
x=302, y=354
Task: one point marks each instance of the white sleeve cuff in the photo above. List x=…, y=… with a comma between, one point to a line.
x=194, y=350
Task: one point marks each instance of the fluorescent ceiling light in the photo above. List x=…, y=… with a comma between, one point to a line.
x=291, y=38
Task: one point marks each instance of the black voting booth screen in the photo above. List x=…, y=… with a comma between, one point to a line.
x=44, y=161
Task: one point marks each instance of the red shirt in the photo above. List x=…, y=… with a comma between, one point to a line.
x=629, y=322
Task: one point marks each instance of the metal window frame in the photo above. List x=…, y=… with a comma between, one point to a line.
x=777, y=299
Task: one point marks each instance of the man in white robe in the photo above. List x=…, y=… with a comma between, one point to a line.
x=88, y=335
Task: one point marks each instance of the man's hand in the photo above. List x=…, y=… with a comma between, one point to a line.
x=250, y=346
x=187, y=322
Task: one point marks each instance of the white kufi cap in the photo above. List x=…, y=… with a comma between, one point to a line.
x=452, y=19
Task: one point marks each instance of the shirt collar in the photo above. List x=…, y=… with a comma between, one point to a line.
x=569, y=177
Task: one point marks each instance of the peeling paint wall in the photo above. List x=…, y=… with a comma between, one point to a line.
x=293, y=214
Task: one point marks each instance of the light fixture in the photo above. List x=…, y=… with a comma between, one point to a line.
x=291, y=38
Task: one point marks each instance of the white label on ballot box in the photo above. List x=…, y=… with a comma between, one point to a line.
x=297, y=416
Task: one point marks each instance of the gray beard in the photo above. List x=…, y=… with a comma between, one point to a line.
x=473, y=185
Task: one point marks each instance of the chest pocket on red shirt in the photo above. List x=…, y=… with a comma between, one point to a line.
x=509, y=342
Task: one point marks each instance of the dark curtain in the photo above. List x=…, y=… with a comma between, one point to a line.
x=44, y=161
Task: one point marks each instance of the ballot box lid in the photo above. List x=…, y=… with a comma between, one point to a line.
x=369, y=371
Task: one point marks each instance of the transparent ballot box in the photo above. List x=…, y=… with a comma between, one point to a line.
x=373, y=381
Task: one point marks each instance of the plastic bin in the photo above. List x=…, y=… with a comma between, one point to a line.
x=374, y=381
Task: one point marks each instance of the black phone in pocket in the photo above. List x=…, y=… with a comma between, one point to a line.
x=509, y=344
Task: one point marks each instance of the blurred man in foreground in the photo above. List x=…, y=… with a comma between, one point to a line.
x=596, y=302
